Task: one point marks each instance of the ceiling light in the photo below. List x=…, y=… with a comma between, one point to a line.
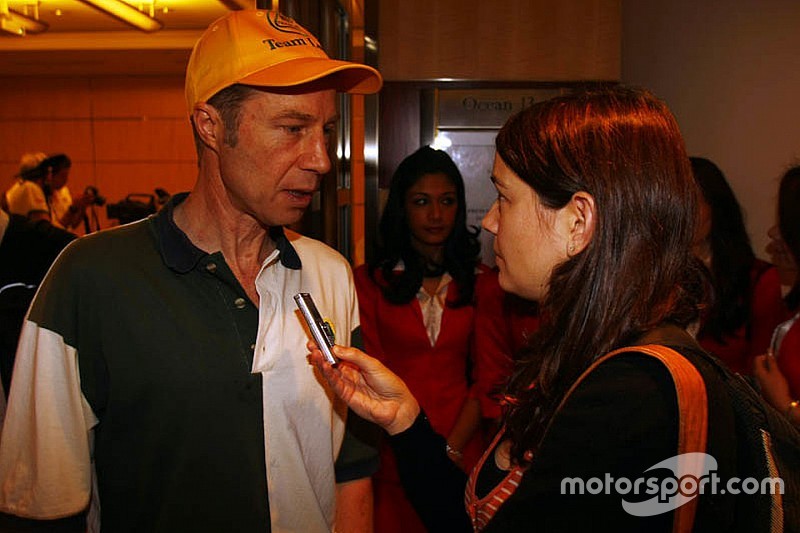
x=126, y=13
x=235, y=5
x=17, y=23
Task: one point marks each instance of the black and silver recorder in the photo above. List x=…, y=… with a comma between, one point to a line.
x=320, y=329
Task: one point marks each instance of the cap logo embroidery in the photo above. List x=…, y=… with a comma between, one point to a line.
x=285, y=24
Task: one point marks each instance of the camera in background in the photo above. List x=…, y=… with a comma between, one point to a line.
x=137, y=206
x=94, y=194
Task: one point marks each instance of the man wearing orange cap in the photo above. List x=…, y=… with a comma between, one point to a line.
x=161, y=374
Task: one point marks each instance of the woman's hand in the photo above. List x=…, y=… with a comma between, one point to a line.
x=373, y=391
x=774, y=386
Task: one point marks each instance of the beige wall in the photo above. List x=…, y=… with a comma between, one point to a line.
x=729, y=71
x=124, y=135
x=509, y=40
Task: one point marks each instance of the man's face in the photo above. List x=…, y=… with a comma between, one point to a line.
x=282, y=151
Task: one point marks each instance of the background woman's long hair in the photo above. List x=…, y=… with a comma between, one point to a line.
x=732, y=256
x=789, y=225
x=624, y=148
x=461, y=248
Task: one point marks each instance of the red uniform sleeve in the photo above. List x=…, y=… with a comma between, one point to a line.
x=492, y=346
x=369, y=294
x=789, y=359
x=767, y=311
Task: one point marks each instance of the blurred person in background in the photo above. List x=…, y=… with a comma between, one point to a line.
x=746, y=303
x=65, y=212
x=41, y=192
x=27, y=196
x=778, y=371
x=27, y=249
x=417, y=307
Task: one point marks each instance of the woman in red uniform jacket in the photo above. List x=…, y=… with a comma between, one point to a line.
x=417, y=313
x=780, y=382
x=504, y=323
x=746, y=304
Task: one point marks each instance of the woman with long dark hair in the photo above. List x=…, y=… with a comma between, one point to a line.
x=746, y=304
x=778, y=372
x=416, y=301
x=595, y=219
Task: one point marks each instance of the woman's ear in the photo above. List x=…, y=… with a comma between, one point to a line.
x=208, y=124
x=582, y=213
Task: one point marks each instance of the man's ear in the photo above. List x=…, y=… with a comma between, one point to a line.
x=208, y=124
x=582, y=212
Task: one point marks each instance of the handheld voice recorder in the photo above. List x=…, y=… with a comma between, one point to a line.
x=320, y=330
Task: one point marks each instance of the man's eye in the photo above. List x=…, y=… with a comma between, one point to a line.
x=291, y=128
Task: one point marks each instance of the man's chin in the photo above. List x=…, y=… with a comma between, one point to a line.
x=290, y=219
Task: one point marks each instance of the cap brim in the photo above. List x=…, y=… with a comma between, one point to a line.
x=344, y=76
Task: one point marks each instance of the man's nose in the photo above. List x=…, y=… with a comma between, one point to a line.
x=315, y=157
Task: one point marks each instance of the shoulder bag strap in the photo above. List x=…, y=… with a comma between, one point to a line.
x=692, y=408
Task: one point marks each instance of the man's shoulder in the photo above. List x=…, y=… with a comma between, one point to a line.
x=311, y=251
x=118, y=245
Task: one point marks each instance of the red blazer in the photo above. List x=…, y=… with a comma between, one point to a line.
x=767, y=310
x=503, y=324
x=789, y=358
x=395, y=334
x=441, y=377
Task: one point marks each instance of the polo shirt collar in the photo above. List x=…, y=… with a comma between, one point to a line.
x=181, y=255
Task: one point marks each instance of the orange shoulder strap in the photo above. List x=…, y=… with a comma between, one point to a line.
x=692, y=408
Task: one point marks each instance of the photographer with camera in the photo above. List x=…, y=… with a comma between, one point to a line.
x=41, y=192
x=66, y=212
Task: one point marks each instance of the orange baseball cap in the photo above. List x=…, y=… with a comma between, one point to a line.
x=266, y=49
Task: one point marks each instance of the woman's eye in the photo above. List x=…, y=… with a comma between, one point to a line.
x=448, y=201
x=420, y=201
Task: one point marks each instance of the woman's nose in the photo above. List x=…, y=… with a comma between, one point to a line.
x=489, y=221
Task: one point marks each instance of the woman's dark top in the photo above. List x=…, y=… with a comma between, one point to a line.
x=619, y=422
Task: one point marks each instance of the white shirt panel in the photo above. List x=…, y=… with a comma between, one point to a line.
x=303, y=429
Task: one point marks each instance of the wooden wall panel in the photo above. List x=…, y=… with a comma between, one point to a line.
x=72, y=137
x=513, y=40
x=154, y=96
x=400, y=116
x=143, y=140
x=47, y=98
